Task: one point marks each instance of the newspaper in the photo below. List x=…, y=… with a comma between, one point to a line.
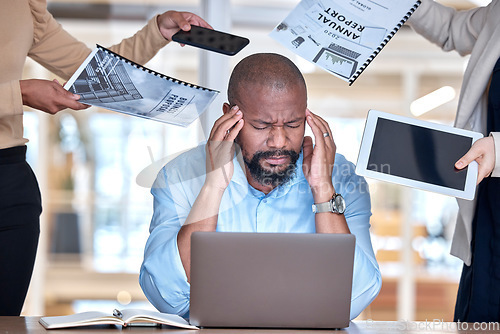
x=107, y=80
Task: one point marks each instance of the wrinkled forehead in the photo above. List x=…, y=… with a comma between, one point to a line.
x=272, y=104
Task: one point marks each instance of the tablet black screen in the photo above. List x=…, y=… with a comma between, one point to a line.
x=418, y=153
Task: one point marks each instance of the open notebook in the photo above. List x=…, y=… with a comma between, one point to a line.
x=126, y=317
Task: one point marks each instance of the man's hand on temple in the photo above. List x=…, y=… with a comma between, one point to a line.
x=203, y=215
x=220, y=149
x=319, y=160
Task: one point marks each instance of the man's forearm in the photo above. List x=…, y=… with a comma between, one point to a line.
x=328, y=222
x=202, y=217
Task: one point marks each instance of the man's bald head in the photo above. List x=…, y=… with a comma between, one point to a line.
x=269, y=70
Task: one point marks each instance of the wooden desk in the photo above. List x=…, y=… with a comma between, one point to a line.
x=30, y=325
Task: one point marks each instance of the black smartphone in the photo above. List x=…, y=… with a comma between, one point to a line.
x=211, y=40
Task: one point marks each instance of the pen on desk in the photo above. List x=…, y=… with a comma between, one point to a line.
x=117, y=313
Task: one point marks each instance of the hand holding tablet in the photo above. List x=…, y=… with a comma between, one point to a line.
x=418, y=154
x=483, y=152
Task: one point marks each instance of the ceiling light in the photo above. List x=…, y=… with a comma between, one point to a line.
x=432, y=100
x=480, y=2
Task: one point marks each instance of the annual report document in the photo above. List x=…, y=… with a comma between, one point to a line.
x=342, y=36
x=108, y=80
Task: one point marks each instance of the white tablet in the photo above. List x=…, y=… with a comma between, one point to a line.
x=417, y=154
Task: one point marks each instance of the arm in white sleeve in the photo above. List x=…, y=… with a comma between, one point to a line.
x=367, y=279
x=162, y=276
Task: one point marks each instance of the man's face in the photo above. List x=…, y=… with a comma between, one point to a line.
x=273, y=132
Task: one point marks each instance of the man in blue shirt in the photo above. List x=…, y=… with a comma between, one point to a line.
x=257, y=173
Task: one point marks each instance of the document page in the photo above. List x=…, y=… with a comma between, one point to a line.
x=342, y=36
x=109, y=81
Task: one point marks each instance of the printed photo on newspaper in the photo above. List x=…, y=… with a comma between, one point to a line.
x=342, y=36
x=107, y=80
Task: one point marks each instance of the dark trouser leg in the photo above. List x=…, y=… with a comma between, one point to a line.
x=20, y=208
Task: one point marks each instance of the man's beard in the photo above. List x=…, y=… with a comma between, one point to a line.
x=269, y=177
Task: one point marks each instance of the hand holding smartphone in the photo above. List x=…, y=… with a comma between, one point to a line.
x=211, y=40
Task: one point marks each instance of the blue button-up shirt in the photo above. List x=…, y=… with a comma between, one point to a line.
x=286, y=208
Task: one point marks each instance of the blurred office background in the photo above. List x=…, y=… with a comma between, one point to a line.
x=95, y=166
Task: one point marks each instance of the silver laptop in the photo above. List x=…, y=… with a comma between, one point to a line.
x=271, y=280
